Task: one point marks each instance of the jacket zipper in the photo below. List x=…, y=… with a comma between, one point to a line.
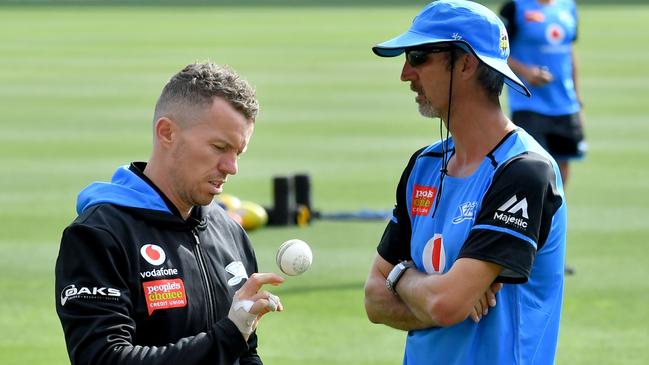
x=206, y=280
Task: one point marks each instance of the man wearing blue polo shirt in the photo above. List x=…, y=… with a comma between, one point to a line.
x=542, y=34
x=480, y=207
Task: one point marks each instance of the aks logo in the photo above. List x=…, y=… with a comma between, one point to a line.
x=422, y=199
x=467, y=212
x=508, y=213
x=555, y=33
x=434, y=255
x=153, y=254
x=88, y=292
x=237, y=269
x=164, y=294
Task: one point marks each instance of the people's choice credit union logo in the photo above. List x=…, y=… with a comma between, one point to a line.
x=422, y=199
x=164, y=294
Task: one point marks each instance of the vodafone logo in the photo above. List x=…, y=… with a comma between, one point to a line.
x=153, y=254
x=555, y=33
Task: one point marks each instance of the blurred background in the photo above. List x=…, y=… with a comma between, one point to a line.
x=78, y=83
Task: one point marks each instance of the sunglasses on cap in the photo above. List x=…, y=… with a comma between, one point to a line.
x=418, y=56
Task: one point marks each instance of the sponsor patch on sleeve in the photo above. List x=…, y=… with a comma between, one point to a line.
x=164, y=294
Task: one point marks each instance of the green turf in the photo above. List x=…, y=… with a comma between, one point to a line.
x=77, y=88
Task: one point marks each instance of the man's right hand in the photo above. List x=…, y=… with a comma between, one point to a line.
x=249, y=304
x=481, y=307
x=538, y=76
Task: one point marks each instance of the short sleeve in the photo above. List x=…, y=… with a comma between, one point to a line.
x=394, y=246
x=515, y=216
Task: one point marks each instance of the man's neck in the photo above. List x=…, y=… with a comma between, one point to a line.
x=476, y=130
x=161, y=181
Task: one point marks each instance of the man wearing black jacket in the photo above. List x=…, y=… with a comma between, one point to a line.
x=152, y=271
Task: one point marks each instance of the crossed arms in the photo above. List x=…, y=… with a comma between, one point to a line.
x=424, y=301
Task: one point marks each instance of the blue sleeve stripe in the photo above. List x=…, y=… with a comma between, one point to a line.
x=508, y=231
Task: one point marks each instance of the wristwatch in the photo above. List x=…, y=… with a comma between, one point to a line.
x=396, y=274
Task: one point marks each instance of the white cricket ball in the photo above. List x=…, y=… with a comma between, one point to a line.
x=294, y=257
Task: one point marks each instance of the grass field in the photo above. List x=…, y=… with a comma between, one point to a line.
x=77, y=89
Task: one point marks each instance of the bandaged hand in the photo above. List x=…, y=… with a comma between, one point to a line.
x=249, y=304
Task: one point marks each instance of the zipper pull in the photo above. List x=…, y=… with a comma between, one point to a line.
x=198, y=241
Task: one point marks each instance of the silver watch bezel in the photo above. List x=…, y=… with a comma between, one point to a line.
x=396, y=273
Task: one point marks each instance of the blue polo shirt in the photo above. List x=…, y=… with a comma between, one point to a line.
x=542, y=35
x=511, y=211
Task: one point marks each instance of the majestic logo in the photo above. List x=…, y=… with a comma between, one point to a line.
x=510, y=211
x=467, y=212
x=555, y=33
x=237, y=269
x=513, y=206
x=164, y=294
x=422, y=199
x=88, y=292
x=434, y=255
x=153, y=254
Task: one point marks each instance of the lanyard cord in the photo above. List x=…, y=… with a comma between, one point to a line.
x=445, y=143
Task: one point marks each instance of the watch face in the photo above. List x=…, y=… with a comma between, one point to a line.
x=395, y=275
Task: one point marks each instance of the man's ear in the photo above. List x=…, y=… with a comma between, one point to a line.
x=469, y=66
x=165, y=131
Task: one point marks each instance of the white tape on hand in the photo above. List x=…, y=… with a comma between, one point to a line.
x=240, y=315
x=246, y=304
x=273, y=302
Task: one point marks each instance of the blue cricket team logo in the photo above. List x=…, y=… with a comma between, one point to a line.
x=466, y=212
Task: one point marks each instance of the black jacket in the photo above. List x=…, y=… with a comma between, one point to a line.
x=137, y=284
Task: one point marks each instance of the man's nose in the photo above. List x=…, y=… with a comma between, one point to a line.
x=228, y=164
x=407, y=72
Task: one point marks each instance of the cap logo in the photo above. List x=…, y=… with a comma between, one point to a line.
x=504, y=41
x=456, y=36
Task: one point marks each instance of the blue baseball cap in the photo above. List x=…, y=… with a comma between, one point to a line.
x=464, y=23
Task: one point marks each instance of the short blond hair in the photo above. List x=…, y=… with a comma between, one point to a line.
x=198, y=84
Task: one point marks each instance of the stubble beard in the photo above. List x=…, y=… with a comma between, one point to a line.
x=427, y=110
